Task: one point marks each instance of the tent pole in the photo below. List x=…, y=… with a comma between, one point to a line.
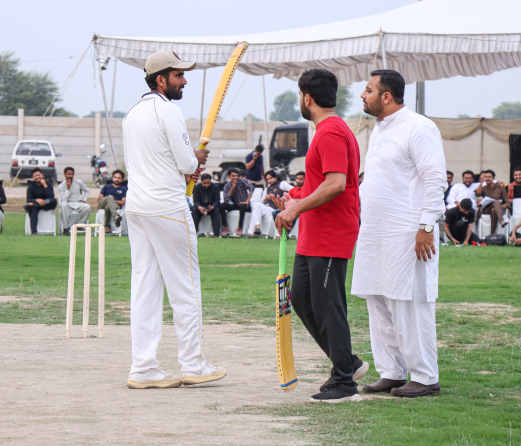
x=113, y=89
x=383, y=52
x=420, y=98
x=106, y=112
x=265, y=123
x=202, y=104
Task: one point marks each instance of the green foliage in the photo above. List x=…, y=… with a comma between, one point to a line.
x=285, y=107
x=464, y=116
x=29, y=90
x=254, y=118
x=344, y=99
x=117, y=114
x=507, y=110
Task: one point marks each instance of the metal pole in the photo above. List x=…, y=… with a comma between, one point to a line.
x=420, y=98
x=202, y=104
x=106, y=113
x=113, y=89
x=266, y=124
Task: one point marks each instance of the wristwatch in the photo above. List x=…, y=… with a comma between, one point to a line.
x=427, y=228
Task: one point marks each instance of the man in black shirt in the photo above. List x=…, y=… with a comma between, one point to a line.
x=459, y=222
x=40, y=195
x=206, y=202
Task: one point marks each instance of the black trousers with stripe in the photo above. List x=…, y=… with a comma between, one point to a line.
x=318, y=295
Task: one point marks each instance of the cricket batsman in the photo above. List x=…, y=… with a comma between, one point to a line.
x=160, y=161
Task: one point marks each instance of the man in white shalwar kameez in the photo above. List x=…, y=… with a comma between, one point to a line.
x=396, y=263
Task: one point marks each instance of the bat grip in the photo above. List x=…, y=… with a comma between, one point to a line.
x=283, y=251
x=191, y=183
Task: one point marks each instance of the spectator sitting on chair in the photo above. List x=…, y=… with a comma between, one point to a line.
x=459, y=222
x=237, y=195
x=515, y=237
x=73, y=196
x=266, y=205
x=514, y=188
x=40, y=196
x=295, y=192
x=463, y=190
x=112, y=198
x=495, y=200
x=450, y=177
x=206, y=202
x=255, y=166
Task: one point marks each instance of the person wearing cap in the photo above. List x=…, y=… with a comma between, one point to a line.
x=160, y=161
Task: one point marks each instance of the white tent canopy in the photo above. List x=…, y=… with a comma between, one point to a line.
x=427, y=40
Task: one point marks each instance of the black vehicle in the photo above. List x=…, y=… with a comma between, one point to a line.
x=288, y=148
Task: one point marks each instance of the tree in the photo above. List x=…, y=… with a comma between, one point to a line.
x=464, y=116
x=254, y=118
x=343, y=101
x=507, y=110
x=117, y=114
x=285, y=107
x=29, y=90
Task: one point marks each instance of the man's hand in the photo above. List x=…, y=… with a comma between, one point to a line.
x=201, y=155
x=82, y=201
x=202, y=210
x=465, y=243
x=513, y=238
x=44, y=183
x=457, y=203
x=501, y=184
x=283, y=204
x=504, y=206
x=210, y=208
x=425, y=248
x=69, y=183
x=247, y=202
x=195, y=176
x=286, y=218
x=40, y=201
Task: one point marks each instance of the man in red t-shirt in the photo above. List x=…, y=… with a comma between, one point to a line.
x=328, y=230
x=296, y=192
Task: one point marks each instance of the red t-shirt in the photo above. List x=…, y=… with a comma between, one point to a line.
x=296, y=193
x=331, y=230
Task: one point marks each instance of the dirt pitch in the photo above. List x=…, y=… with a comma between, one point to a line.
x=62, y=392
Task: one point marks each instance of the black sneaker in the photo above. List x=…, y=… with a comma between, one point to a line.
x=117, y=220
x=257, y=231
x=337, y=393
x=361, y=368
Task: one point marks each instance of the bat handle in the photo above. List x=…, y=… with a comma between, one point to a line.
x=191, y=183
x=283, y=251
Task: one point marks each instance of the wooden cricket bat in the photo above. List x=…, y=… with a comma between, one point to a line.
x=285, y=364
x=217, y=101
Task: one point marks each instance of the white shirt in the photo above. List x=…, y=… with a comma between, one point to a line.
x=157, y=155
x=77, y=192
x=459, y=192
x=404, y=182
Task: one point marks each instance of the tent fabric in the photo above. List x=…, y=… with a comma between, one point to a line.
x=455, y=129
x=427, y=40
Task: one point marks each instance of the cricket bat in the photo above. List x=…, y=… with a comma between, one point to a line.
x=285, y=364
x=217, y=101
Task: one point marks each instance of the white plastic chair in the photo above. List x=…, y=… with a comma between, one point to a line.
x=46, y=223
x=205, y=225
x=122, y=230
x=485, y=226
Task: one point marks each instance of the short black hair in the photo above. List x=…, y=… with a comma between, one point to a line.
x=466, y=204
x=67, y=169
x=450, y=173
x=516, y=168
x=321, y=85
x=393, y=82
x=243, y=173
x=361, y=175
x=152, y=79
x=233, y=170
x=491, y=172
x=36, y=169
x=301, y=173
x=206, y=176
x=467, y=172
x=259, y=148
x=271, y=173
x=120, y=172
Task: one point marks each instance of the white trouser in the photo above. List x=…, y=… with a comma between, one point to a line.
x=258, y=211
x=403, y=338
x=164, y=252
x=82, y=209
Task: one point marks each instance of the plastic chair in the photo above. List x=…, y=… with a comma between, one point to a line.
x=205, y=225
x=485, y=226
x=122, y=230
x=46, y=223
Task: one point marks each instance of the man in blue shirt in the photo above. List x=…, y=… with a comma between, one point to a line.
x=112, y=198
x=255, y=166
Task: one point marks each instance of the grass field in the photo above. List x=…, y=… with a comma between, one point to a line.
x=479, y=334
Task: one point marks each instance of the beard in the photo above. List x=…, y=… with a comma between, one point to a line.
x=306, y=112
x=375, y=109
x=172, y=92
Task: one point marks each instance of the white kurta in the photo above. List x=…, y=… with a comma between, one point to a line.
x=404, y=182
x=459, y=192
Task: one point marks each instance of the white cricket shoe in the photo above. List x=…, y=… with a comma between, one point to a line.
x=208, y=374
x=153, y=379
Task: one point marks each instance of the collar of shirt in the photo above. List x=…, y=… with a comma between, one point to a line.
x=388, y=119
x=152, y=95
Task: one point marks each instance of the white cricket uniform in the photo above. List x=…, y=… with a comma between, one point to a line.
x=70, y=201
x=405, y=179
x=162, y=235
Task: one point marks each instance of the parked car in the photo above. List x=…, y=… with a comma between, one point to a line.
x=29, y=154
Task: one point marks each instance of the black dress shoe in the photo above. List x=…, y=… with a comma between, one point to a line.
x=384, y=385
x=415, y=389
x=66, y=231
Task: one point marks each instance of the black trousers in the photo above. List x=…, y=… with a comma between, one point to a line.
x=33, y=212
x=242, y=208
x=459, y=232
x=214, y=214
x=318, y=295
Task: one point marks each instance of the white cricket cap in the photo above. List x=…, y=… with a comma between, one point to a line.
x=166, y=59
